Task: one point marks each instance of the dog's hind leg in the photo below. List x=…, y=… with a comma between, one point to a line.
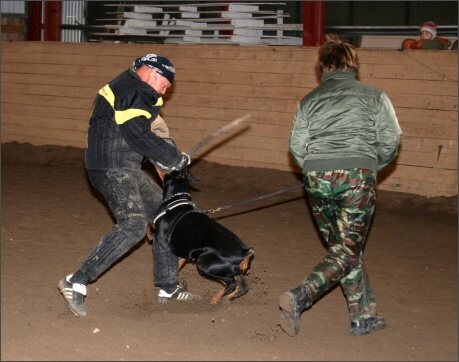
x=241, y=285
x=241, y=288
x=217, y=298
x=230, y=286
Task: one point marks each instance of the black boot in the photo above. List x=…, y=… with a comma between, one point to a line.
x=368, y=325
x=292, y=303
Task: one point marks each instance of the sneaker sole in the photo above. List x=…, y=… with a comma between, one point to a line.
x=288, y=322
x=180, y=299
x=68, y=293
x=163, y=299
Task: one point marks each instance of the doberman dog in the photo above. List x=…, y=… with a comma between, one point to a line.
x=194, y=236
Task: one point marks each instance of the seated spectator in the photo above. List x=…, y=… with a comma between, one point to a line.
x=429, y=39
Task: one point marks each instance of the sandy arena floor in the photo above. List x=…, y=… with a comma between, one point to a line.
x=51, y=219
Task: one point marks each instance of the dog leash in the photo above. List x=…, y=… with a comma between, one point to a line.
x=211, y=211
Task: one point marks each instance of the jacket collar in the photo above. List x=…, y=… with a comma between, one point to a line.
x=339, y=74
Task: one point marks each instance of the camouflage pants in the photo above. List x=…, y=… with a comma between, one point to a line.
x=343, y=203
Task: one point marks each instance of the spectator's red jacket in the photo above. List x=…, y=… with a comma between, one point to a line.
x=432, y=44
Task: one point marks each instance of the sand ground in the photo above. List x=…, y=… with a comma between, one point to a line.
x=51, y=219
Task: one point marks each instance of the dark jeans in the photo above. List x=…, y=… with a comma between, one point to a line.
x=133, y=198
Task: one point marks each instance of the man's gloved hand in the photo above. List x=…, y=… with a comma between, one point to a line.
x=184, y=161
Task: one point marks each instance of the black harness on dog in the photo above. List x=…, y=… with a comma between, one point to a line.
x=168, y=205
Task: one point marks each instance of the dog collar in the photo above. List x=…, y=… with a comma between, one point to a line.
x=173, y=205
x=178, y=194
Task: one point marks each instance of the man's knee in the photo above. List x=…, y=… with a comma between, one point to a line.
x=136, y=227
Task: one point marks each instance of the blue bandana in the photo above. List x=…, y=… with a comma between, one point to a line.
x=161, y=64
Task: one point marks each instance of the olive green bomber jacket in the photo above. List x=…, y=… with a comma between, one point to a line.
x=344, y=123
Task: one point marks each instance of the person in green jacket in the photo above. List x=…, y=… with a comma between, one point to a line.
x=344, y=132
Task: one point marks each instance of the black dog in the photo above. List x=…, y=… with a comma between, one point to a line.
x=219, y=254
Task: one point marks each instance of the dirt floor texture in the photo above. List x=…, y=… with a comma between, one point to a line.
x=52, y=218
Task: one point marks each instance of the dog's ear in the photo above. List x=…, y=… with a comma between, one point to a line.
x=188, y=175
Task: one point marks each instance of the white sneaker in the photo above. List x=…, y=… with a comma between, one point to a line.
x=74, y=295
x=178, y=294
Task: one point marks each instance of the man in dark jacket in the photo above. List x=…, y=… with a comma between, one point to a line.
x=344, y=132
x=118, y=139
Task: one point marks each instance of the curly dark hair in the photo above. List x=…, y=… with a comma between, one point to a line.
x=337, y=54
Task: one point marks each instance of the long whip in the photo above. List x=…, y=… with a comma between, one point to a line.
x=218, y=132
x=215, y=134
